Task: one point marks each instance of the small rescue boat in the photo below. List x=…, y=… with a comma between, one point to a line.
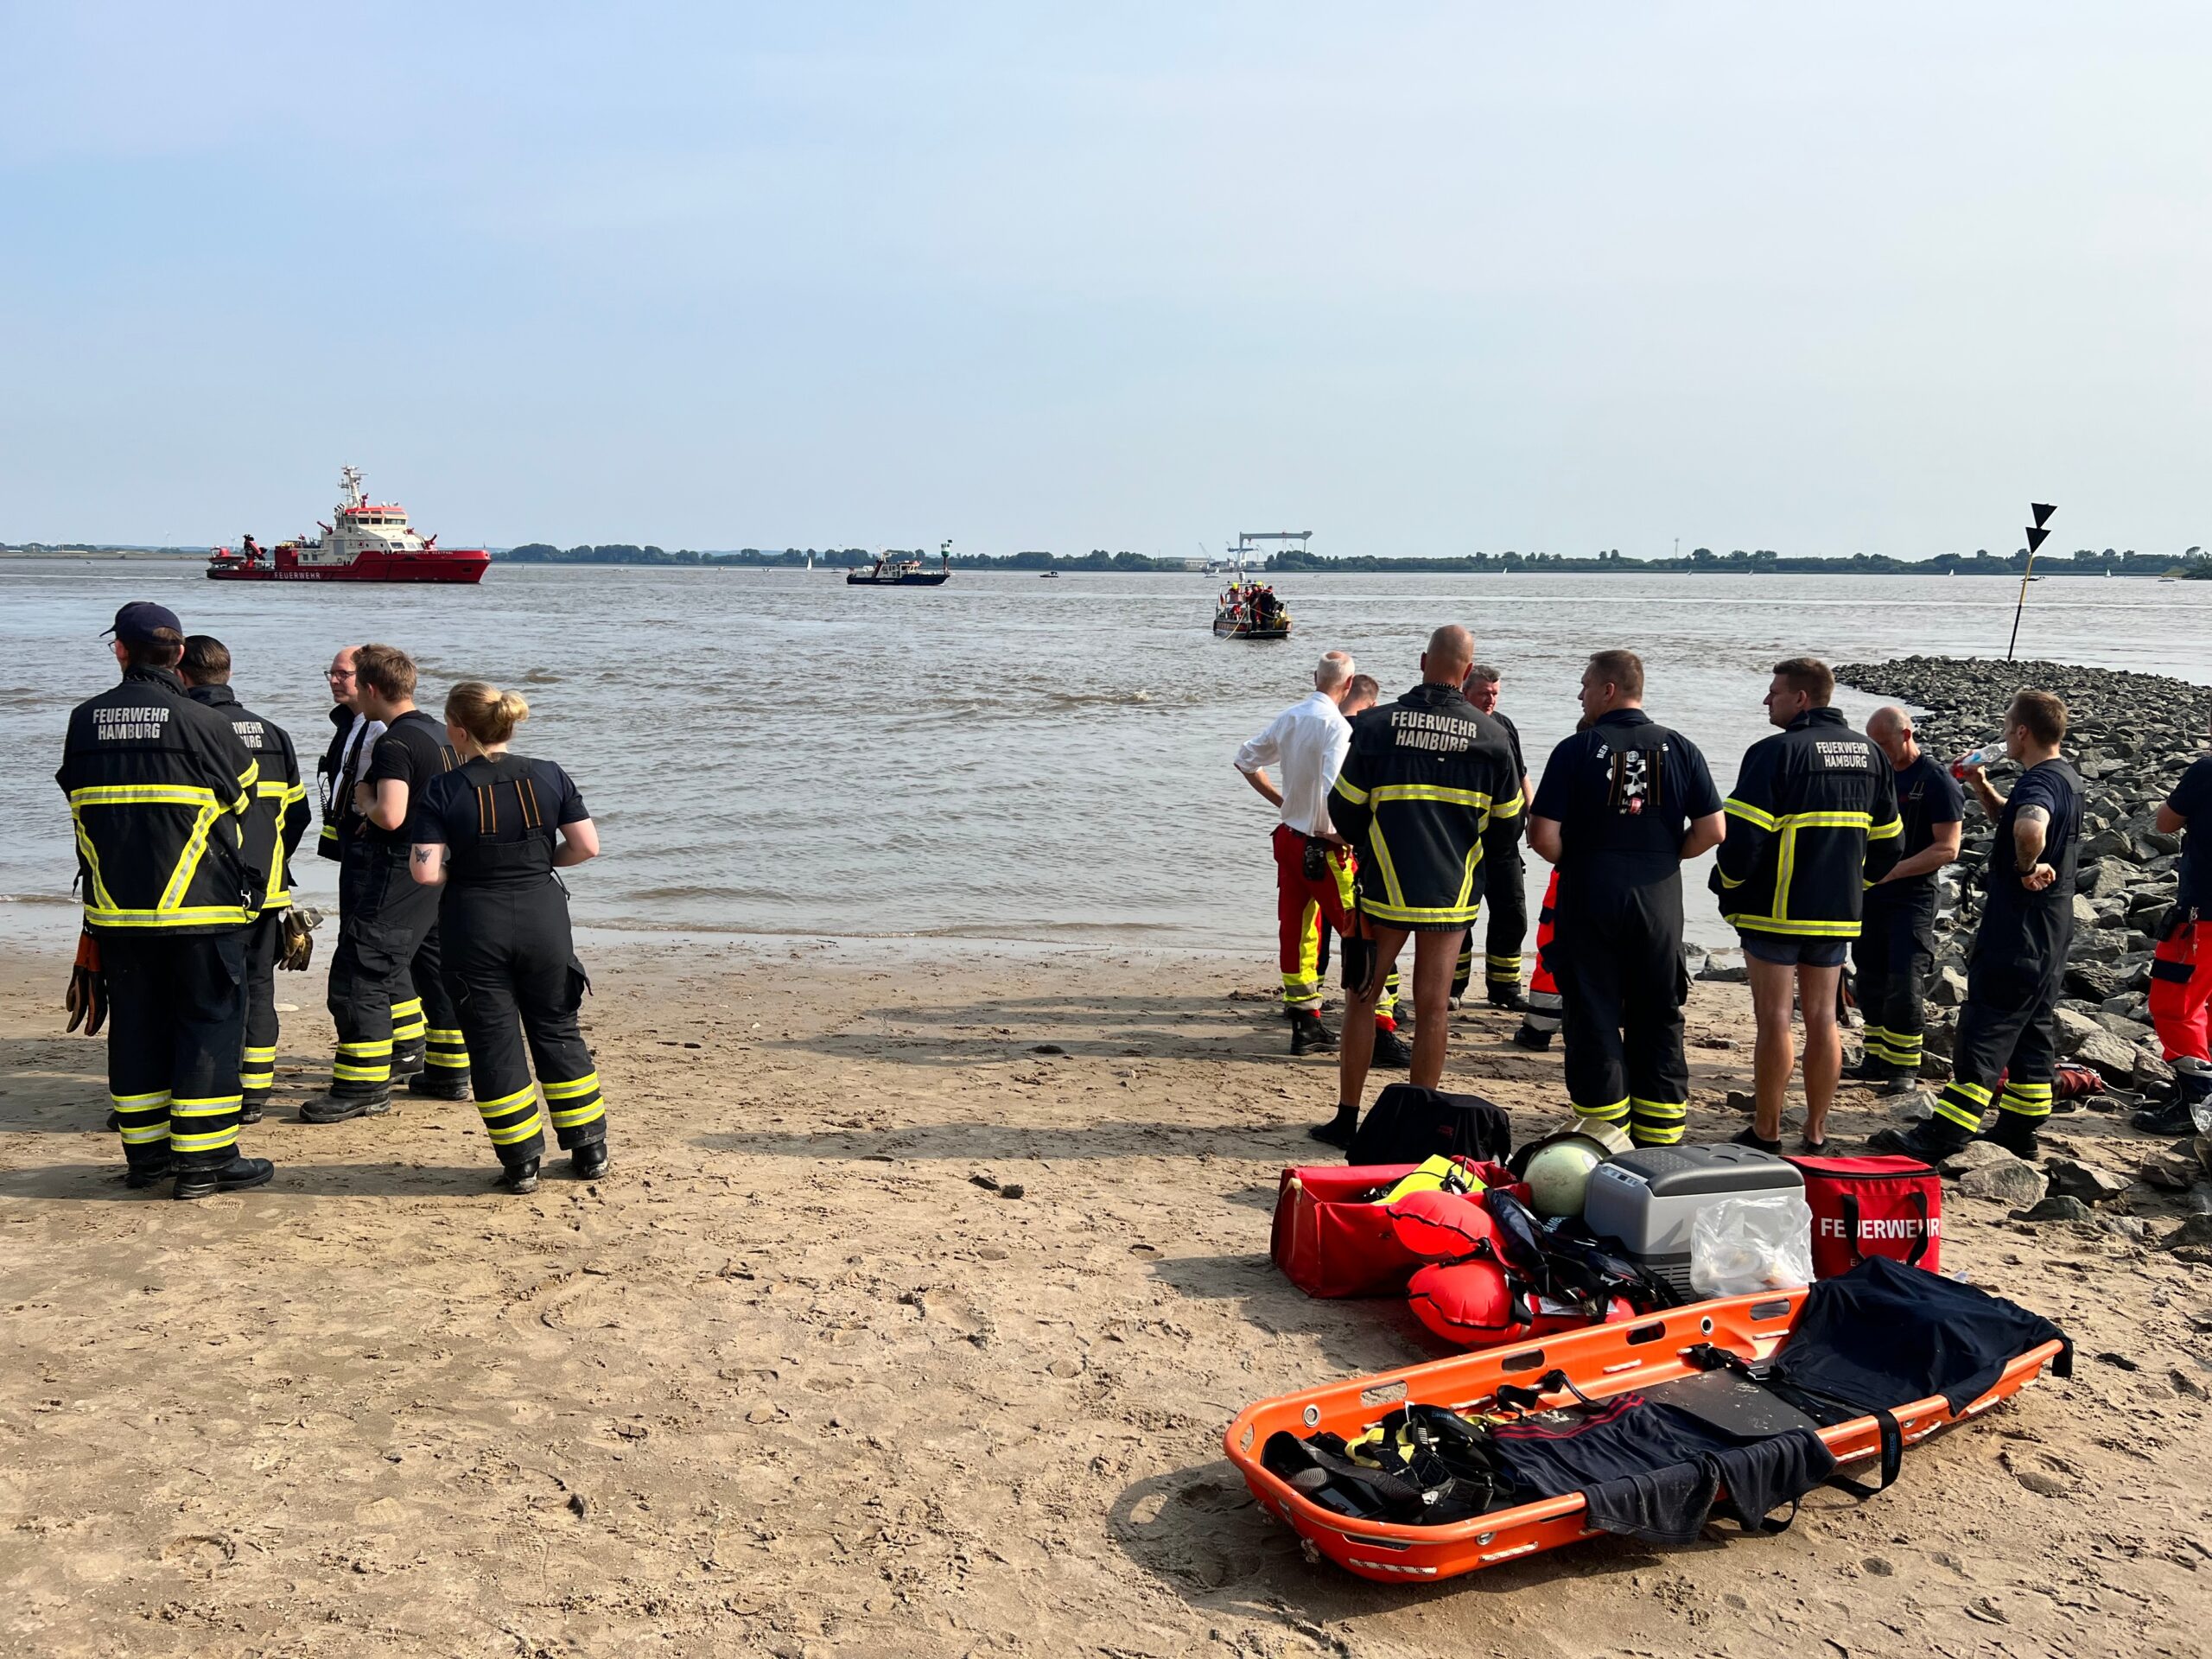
x=1249, y=610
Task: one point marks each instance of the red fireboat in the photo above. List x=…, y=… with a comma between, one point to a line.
x=370, y=541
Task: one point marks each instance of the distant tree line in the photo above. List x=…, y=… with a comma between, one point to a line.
x=832, y=558
x=2085, y=562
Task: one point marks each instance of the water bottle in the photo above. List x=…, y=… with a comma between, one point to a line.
x=1987, y=755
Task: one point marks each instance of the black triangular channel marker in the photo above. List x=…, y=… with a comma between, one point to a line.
x=2037, y=536
x=2043, y=511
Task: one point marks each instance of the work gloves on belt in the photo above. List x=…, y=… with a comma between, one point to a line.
x=296, y=949
x=87, y=998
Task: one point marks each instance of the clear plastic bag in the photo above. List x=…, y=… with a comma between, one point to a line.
x=1739, y=1247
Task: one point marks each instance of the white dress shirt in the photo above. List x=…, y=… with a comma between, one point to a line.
x=1308, y=740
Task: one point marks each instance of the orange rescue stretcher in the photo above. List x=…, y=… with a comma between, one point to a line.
x=1602, y=1361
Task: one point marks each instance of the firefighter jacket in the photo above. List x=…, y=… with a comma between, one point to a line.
x=352, y=737
x=1812, y=824
x=279, y=815
x=1426, y=776
x=159, y=788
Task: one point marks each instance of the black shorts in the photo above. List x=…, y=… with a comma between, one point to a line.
x=1794, y=949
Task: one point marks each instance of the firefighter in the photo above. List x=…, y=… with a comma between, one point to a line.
x=492, y=833
x=1423, y=782
x=273, y=830
x=159, y=788
x=352, y=735
x=2181, y=973
x=1540, y=1020
x=1896, y=946
x=382, y=976
x=1314, y=870
x=2007, y=1028
x=1814, y=822
x=1503, y=884
x=1623, y=802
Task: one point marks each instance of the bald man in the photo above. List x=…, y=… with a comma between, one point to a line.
x=1425, y=778
x=1896, y=945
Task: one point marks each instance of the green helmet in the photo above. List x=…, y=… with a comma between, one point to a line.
x=1558, y=1173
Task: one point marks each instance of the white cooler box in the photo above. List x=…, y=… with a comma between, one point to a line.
x=1647, y=1198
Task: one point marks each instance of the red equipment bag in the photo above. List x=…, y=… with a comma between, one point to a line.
x=1332, y=1239
x=1872, y=1206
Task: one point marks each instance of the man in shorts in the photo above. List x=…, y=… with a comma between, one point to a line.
x=1813, y=821
x=1423, y=782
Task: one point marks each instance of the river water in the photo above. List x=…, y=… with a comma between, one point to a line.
x=1004, y=757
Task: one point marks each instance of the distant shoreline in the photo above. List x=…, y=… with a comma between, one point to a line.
x=2189, y=566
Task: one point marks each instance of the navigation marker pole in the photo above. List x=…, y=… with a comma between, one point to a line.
x=2037, y=534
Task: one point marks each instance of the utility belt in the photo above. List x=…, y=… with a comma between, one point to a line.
x=1316, y=865
x=360, y=850
x=1919, y=893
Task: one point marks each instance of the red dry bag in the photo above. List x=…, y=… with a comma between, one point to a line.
x=1332, y=1239
x=1872, y=1206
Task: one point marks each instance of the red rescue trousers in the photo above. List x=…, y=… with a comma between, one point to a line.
x=1305, y=905
x=2181, y=988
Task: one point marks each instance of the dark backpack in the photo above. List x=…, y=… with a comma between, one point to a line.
x=1410, y=1125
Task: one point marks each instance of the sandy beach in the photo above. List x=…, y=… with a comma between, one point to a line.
x=792, y=1380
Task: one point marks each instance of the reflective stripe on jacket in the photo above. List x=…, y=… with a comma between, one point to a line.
x=278, y=818
x=159, y=788
x=1425, y=778
x=1812, y=824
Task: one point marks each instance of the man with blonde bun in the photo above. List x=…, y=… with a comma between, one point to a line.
x=487, y=837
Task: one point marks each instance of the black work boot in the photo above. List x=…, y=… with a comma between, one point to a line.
x=2015, y=1132
x=1529, y=1038
x=1308, y=1035
x=1338, y=1130
x=1509, y=998
x=253, y=1106
x=337, y=1108
x=589, y=1161
x=518, y=1178
x=2192, y=1091
x=406, y=1062
x=1931, y=1141
x=436, y=1085
x=1390, y=1051
x=2174, y=1118
x=138, y=1177
x=234, y=1177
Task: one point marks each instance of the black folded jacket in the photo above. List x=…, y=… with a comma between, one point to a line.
x=1884, y=1335
x=1651, y=1471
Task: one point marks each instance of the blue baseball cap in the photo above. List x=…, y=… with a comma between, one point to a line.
x=136, y=622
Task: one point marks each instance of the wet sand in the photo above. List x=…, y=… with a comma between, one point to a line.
x=790, y=1381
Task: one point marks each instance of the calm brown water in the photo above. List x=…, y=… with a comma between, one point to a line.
x=1002, y=757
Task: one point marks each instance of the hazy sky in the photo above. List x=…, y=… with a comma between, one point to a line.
x=1422, y=279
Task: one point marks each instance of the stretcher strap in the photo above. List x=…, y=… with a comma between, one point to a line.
x=1707, y=1357
x=1892, y=1457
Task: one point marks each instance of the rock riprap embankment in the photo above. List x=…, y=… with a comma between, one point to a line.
x=2131, y=736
